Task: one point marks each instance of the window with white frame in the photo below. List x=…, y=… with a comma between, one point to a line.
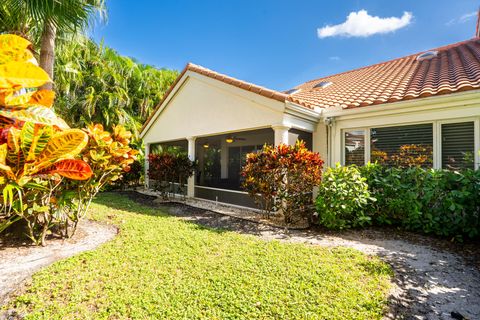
x=354, y=144
x=451, y=145
x=402, y=146
x=458, y=145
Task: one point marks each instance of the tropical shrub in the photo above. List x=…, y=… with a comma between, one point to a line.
x=283, y=177
x=169, y=172
x=441, y=202
x=109, y=156
x=261, y=175
x=343, y=198
x=48, y=172
x=37, y=148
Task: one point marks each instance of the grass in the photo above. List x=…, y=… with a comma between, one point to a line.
x=162, y=267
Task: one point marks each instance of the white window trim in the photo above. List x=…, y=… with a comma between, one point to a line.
x=366, y=135
x=436, y=132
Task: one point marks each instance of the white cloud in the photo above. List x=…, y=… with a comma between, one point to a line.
x=462, y=19
x=361, y=24
x=334, y=58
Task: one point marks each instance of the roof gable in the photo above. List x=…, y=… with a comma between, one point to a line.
x=262, y=91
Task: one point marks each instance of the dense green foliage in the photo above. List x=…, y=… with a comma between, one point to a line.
x=160, y=267
x=29, y=18
x=343, y=198
x=440, y=202
x=96, y=84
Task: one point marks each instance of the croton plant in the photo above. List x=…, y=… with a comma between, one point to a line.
x=43, y=162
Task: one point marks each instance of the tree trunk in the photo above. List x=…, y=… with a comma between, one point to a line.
x=47, y=51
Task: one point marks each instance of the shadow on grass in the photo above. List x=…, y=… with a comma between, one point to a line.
x=201, y=218
x=416, y=266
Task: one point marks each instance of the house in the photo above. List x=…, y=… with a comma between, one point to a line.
x=425, y=106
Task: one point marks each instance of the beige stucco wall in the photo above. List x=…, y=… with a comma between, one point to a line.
x=203, y=106
x=320, y=144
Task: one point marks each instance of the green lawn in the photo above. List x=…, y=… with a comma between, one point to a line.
x=162, y=267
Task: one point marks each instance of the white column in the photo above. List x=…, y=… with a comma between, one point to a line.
x=191, y=156
x=281, y=134
x=147, y=152
x=224, y=160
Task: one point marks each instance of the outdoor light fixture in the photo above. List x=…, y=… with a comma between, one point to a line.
x=229, y=140
x=206, y=145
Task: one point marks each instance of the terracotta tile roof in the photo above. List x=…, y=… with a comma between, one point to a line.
x=272, y=94
x=455, y=68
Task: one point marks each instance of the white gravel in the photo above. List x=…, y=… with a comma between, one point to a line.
x=429, y=284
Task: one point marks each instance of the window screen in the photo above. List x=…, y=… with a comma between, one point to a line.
x=355, y=147
x=402, y=146
x=458, y=145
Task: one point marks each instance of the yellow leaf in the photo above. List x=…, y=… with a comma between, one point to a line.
x=13, y=140
x=15, y=48
x=3, y=153
x=12, y=97
x=15, y=75
x=4, y=169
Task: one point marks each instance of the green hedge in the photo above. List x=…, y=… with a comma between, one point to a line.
x=343, y=199
x=440, y=202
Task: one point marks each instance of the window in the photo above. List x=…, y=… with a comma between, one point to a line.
x=323, y=84
x=402, y=146
x=458, y=145
x=355, y=147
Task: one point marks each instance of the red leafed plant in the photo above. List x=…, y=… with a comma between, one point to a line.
x=283, y=178
x=169, y=171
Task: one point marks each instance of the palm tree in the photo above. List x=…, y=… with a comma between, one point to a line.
x=96, y=84
x=48, y=18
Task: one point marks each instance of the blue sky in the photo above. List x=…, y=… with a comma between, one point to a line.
x=276, y=43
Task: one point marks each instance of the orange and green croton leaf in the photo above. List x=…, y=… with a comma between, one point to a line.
x=20, y=99
x=63, y=145
x=34, y=138
x=72, y=169
x=36, y=114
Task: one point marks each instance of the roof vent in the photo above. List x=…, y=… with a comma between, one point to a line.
x=323, y=84
x=292, y=91
x=427, y=55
